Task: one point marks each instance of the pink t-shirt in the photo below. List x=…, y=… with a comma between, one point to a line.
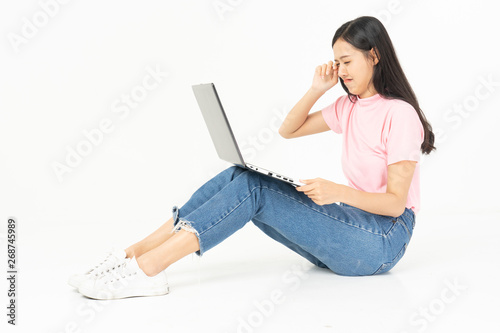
x=376, y=132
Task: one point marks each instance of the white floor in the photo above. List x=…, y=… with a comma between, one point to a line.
x=447, y=282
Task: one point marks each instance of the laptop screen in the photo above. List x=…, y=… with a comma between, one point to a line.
x=217, y=123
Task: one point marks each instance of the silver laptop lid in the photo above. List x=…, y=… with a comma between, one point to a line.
x=217, y=123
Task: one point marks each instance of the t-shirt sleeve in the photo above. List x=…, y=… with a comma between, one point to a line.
x=332, y=115
x=405, y=135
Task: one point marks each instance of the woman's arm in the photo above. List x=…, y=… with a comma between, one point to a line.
x=298, y=122
x=391, y=203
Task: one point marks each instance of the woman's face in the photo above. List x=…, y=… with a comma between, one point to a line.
x=354, y=69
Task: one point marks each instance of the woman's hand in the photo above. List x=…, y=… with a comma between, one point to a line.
x=325, y=77
x=321, y=191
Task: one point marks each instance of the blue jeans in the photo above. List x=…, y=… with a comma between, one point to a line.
x=340, y=237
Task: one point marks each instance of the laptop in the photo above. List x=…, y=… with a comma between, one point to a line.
x=222, y=134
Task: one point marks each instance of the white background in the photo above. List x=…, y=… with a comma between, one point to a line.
x=65, y=77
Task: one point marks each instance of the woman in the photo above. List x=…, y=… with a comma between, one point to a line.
x=360, y=229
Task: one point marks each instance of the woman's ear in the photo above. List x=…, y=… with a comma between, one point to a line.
x=375, y=55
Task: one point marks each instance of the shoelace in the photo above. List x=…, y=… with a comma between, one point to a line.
x=117, y=273
x=109, y=262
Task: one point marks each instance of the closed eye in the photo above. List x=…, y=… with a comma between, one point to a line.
x=345, y=63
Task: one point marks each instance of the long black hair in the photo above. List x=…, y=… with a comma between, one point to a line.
x=389, y=80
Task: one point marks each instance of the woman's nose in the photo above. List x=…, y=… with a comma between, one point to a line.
x=342, y=71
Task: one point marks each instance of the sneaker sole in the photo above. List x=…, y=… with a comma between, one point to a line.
x=106, y=295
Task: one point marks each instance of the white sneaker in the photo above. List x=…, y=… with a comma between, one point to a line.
x=128, y=280
x=113, y=258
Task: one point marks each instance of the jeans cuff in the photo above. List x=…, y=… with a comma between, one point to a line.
x=180, y=223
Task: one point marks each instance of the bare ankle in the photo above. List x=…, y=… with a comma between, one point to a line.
x=146, y=267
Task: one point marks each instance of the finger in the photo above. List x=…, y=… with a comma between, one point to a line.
x=310, y=197
x=318, y=70
x=335, y=70
x=323, y=70
x=300, y=188
x=309, y=185
x=310, y=192
x=309, y=181
x=329, y=67
x=304, y=188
